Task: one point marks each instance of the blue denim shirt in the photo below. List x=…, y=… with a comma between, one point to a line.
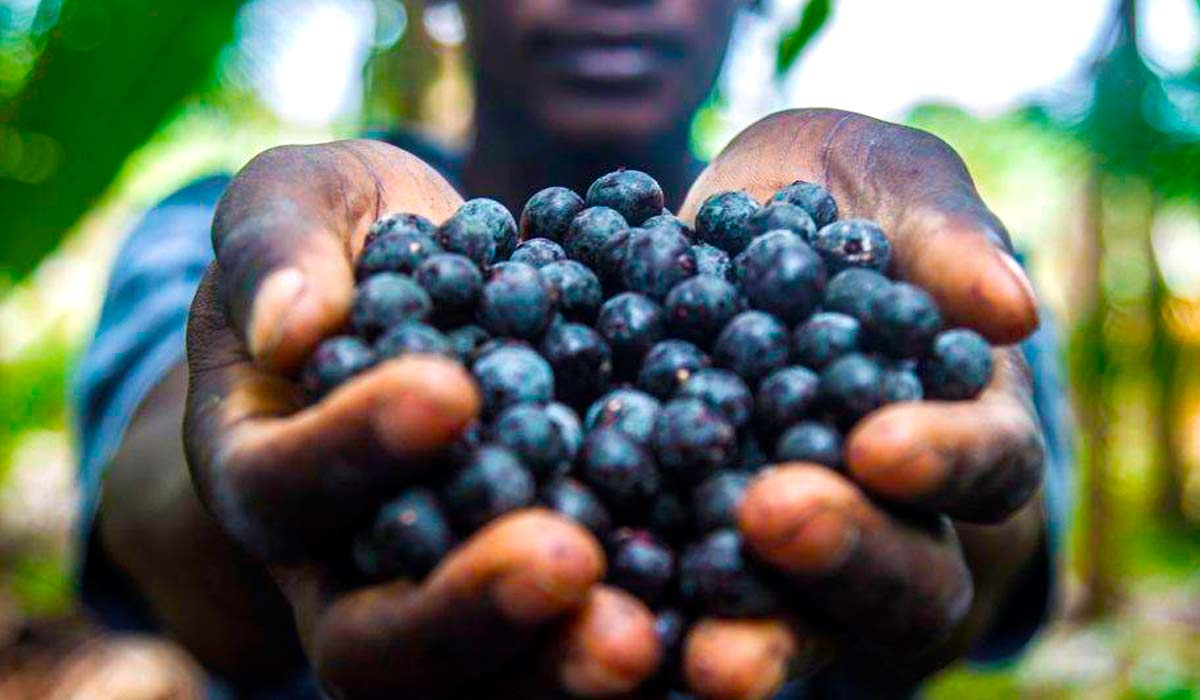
x=140, y=337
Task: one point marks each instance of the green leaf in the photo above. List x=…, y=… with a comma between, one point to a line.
x=792, y=44
x=111, y=72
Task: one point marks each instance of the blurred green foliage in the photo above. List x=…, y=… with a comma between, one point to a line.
x=1143, y=123
x=106, y=77
x=32, y=394
x=812, y=20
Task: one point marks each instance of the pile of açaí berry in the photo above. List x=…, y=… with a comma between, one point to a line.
x=636, y=374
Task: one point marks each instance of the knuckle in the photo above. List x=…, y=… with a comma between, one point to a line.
x=278, y=156
x=274, y=513
x=1002, y=483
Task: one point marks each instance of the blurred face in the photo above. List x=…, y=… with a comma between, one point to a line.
x=590, y=72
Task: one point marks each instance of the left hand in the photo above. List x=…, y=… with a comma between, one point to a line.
x=902, y=588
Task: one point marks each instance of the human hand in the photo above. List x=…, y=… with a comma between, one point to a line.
x=516, y=609
x=867, y=577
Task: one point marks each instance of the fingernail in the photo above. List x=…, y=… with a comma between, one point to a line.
x=814, y=541
x=413, y=426
x=1019, y=320
x=278, y=295
x=826, y=540
x=531, y=598
x=1018, y=273
x=433, y=401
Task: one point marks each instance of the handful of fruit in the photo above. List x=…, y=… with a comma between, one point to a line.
x=636, y=374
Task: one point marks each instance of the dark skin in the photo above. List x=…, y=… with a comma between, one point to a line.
x=250, y=572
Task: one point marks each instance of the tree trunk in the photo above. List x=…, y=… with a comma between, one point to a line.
x=1091, y=371
x=398, y=76
x=1166, y=393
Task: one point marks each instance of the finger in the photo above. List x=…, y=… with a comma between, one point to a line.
x=287, y=229
x=913, y=184
x=855, y=567
x=285, y=479
x=485, y=605
x=977, y=461
x=610, y=647
x=739, y=659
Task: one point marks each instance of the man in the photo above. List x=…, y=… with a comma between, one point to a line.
x=234, y=557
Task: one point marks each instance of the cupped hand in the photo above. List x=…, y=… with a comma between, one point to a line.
x=516, y=610
x=873, y=555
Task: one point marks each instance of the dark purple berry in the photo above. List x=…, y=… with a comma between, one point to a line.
x=532, y=435
x=491, y=482
x=468, y=441
x=852, y=386
x=723, y=221
x=716, y=500
x=548, y=214
x=762, y=250
x=515, y=302
x=335, y=361
x=692, y=440
x=753, y=344
x=399, y=223
x=715, y=577
x=712, y=261
x=452, y=281
x=495, y=344
x=589, y=231
x=669, y=221
x=465, y=341
x=853, y=243
x=631, y=323
x=574, y=289
x=824, y=338
x=782, y=216
x=722, y=390
x=850, y=292
x=395, y=252
x=573, y=500
x=813, y=199
x=657, y=260
x=408, y=538
x=618, y=469
x=610, y=261
x=670, y=627
x=901, y=384
x=786, y=396
x=751, y=458
x=958, y=366
x=788, y=285
x=670, y=517
x=902, y=320
x=385, y=300
x=811, y=442
x=698, y=308
x=412, y=338
x=633, y=193
x=478, y=230
x=669, y=365
x=498, y=220
x=568, y=427
x=538, y=252
x=581, y=360
x=512, y=374
x=631, y=411
x=640, y=564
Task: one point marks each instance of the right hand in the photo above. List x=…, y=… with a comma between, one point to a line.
x=516, y=610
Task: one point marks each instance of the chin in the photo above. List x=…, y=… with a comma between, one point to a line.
x=602, y=123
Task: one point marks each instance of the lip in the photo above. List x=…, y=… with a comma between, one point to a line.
x=599, y=59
